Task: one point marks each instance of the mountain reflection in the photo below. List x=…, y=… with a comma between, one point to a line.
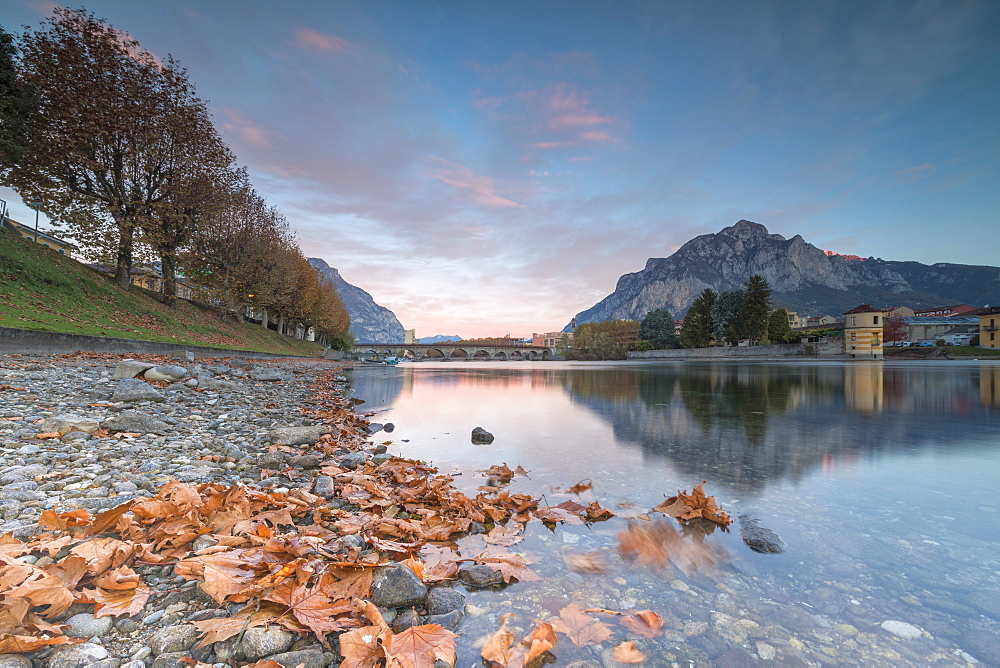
x=747, y=425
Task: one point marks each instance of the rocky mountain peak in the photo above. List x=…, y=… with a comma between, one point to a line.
x=370, y=322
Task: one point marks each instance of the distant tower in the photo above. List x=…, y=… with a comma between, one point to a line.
x=409, y=337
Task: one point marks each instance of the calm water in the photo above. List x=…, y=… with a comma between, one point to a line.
x=880, y=478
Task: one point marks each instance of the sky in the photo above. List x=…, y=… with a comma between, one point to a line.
x=487, y=168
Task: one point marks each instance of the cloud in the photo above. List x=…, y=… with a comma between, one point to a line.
x=911, y=174
x=309, y=39
x=248, y=131
x=476, y=187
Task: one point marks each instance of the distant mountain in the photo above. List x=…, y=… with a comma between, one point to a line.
x=804, y=278
x=370, y=323
x=438, y=338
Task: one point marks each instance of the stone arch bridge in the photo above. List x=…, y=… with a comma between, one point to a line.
x=451, y=351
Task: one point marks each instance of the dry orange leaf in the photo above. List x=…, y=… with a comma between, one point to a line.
x=581, y=629
x=627, y=652
x=695, y=505
x=502, y=650
x=645, y=623
x=421, y=646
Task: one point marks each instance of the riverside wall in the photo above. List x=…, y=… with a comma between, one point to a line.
x=822, y=350
x=34, y=342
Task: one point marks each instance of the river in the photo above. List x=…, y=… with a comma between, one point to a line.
x=880, y=478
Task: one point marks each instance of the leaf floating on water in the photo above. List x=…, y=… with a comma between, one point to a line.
x=627, y=652
x=645, y=623
x=581, y=629
x=586, y=562
x=695, y=505
x=658, y=544
x=501, y=650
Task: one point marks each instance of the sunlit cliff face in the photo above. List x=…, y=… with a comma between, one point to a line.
x=855, y=258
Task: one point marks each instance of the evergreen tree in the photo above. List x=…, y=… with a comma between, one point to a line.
x=698, y=327
x=777, y=326
x=658, y=328
x=17, y=104
x=726, y=316
x=756, y=308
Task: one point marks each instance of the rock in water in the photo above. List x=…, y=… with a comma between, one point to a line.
x=480, y=435
x=758, y=538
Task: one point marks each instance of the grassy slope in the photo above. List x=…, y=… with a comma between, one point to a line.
x=41, y=289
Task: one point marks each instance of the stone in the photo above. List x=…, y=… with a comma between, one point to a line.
x=84, y=655
x=733, y=629
x=170, y=639
x=166, y=372
x=259, y=642
x=758, y=538
x=353, y=460
x=901, y=629
x=86, y=625
x=14, y=661
x=449, y=620
x=130, y=369
x=442, y=600
x=131, y=389
x=981, y=641
x=297, y=435
x=396, y=586
x=405, y=619
x=827, y=600
x=765, y=652
x=170, y=660
x=374, y=427
x=323, y=486
x=480, y=435
x=209, y=383
x=67, y=422
x=388, y=427
x=381, y=458
x=304, y=658
x=132, y=421
x=267, y=376
x=480, y=575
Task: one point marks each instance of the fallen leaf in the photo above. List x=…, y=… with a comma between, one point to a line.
x=645, y=623
x=501, y=648
x=421, y=646
x=695, y=505
x=581, y=629
x=627, y=652
x=586, y=562
x=505, y=535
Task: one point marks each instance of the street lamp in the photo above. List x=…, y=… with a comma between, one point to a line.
x=36, y=204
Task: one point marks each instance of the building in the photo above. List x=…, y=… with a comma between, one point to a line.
x=549, y=339
x=409, y=337
x=815, y=321
x=863, y=332
x=794, y=320
x=944, y=311
x=934, y=328
x=44, y=238
x=989, y=318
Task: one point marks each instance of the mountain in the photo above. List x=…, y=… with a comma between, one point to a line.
x=370, y=323
x=438, y=338
x=804, y=278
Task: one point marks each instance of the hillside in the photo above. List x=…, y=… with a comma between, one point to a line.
x=370, y=322
x=41, y=289
x=804, y=278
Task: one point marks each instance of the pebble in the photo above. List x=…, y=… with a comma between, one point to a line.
x=901, y=629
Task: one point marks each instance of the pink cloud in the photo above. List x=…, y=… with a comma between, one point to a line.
x=550, y=144
x=596, y=135
x=477, y=187
x=311, y=39
x=247, y=131
x=911, y=174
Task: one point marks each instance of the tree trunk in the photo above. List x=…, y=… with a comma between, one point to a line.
x=281, y=324
x=168, y=268
x=263, y=318
x=123, y=261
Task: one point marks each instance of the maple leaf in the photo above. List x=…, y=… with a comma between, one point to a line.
x=596, y=513
x=64, y=521
x=218, y=629
x=505, y=535
x=223, y=575
x=627, y=652
x=313, y=606
x=510, y=564
x=581, y=629
x=695, y=505
x=421, y=646
x=581, y=486
x=19, y=644
x=645, y=623
x=111, y=602
x=363, y=648
x=501, y=648
x=658, y=544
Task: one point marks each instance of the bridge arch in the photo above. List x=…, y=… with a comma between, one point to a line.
x=459, y=354
x=500, y=356
x=435, y=353
x=481, y=355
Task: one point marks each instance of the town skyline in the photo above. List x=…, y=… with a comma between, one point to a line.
x=494, y=168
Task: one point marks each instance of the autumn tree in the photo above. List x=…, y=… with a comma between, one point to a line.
x=107, y=141
x=894, y=330
x=756, y=307
x=658, y=329
x=17, y=105
x=726, y=316
x=330, y=318
x=698, y=323
x=777, y=326
x=607, y=340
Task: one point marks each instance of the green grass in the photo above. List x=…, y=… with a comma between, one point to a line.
x=44, y=290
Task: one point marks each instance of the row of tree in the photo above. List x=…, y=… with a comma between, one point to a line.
x=734, y=315
x=115, y=143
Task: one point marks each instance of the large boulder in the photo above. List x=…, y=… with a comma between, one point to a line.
x=67, y=422
x=137, y=423
x=130, y=369
x=132, y=389
x=297, y=435
x=480, y=435
x=170, y=373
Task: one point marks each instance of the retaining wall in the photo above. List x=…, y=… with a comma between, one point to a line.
x=823, y=350
x=34, y=342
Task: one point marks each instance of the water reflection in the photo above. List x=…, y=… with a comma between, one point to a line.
x=748, y=425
